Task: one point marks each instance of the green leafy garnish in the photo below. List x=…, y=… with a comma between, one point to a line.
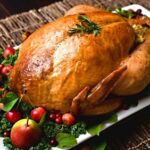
x=1, y=52
x=25, y=108
x=112, y=119
x=51, y=129
x=78, y=128
x=42, y=145
x=4, y=124
x=96, y=128
x=43, y=119
x=7, y=143
x=65, y=140
x=85, y=26
x=9, y=101
x=124, y=13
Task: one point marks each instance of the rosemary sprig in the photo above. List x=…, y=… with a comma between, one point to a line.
x=85, y=26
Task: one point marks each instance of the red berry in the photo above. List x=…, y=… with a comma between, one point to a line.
x=58, y=115
x=68, y=119
x=58, y=120
x=13, y=116
x=125, y=106
x=8, y=51
x=37, y=113
x=1, y=66
x=52, y=117
x=53, y=142
x=138, y=12
x=6, y=134
x=5, y=70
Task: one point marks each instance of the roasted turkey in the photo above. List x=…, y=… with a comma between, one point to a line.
x=78, y=73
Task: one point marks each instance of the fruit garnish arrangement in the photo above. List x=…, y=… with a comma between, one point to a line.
x=39, y=127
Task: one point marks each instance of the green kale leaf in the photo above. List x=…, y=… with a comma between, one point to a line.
x=65, y=140
x=78, y=128
x=51, y=129
x=9, y=101
x=97, y=127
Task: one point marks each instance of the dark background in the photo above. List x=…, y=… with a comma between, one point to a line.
x=9, y=7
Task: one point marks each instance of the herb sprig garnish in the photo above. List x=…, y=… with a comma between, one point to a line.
x=125, y=13
x=85, y=26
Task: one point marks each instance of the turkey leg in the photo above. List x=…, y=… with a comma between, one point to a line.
x=98, y=94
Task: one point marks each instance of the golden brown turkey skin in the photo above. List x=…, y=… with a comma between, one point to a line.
x=52, y=67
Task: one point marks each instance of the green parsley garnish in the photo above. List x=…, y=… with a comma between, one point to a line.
x=124, y=13
x=4, y=124
x=85, y=26
x=51, y=129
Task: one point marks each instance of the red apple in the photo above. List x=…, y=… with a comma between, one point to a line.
x=37, y=113
x=25, y=133
x=8, y=51
x=13, y=116
x=6, y=69
x=68, y=119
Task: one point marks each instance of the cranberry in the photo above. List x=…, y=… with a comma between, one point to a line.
x=138, y=12
x=37, y=113
x=1, y=66
x=6, y=134
x=53, y=142
x=8, y=51
x=52, y=117
x=13, y=116
x=68, y=119
x=58, y=115
x=58, y=120
x=125, y=106
x=5, y=70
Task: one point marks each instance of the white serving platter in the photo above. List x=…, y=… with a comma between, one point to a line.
x=122, y=114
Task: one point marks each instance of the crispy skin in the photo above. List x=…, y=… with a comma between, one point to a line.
x=137, y=76
x=52, y=68
x=83, y=9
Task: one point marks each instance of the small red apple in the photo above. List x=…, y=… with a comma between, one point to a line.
x=8, y=51
x=68, y=119
x=37, y=113
x=25, y=133
x=6, y=69
x=13, y=116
